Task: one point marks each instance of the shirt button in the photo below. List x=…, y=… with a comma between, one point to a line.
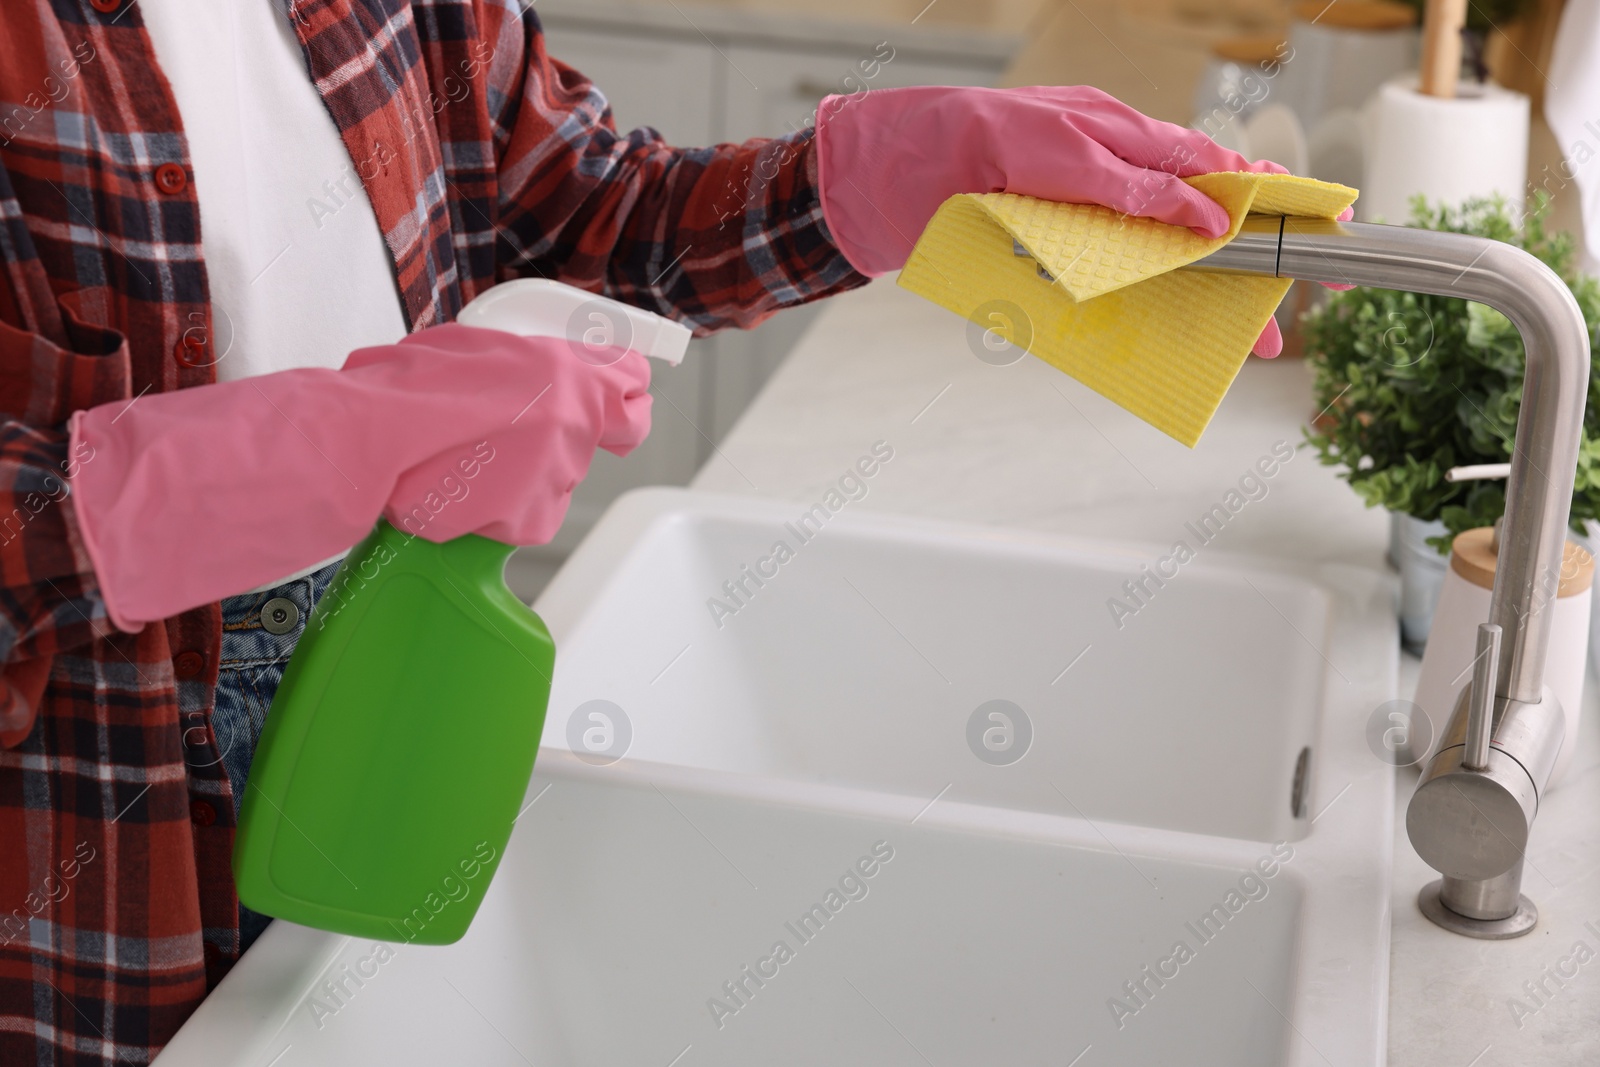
x=279, y=615
x=201, y=813
x=105, y=7
x=191, y=351
x=171, y=179
x=188, y=664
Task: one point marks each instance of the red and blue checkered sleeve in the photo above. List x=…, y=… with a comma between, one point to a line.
x=713, y=237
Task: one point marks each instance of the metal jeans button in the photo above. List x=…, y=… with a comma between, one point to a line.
x=279, y=615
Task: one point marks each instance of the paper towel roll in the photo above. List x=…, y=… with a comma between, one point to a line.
x=1446, y=149
x=1447, y=663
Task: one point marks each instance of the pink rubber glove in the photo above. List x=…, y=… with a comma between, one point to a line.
x=199, y=494
x=888, y=158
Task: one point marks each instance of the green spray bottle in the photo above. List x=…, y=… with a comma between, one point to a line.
x=402, y=738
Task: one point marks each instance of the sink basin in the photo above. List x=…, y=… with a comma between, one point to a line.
x=918, y=797
x=861, y=661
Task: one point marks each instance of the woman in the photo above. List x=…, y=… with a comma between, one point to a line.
x=207, y=206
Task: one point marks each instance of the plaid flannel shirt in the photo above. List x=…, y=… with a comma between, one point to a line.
x=484, y=159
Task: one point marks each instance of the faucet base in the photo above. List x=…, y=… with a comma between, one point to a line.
x=1520, y=922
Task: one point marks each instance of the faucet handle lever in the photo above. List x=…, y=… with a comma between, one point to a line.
x=1480, y=701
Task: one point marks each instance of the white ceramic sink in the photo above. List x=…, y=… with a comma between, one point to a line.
x=860, y=663
x=751, y=767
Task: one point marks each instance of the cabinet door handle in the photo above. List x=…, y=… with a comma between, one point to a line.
x=811, y=87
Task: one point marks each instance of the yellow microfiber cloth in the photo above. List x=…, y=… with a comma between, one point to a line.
x=1164, y=345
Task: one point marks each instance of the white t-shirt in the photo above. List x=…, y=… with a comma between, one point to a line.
x=291, y=284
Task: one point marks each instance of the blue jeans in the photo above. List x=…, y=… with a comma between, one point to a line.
x=251, y=666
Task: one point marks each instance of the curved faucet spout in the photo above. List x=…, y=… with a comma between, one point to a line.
x=1470, y=816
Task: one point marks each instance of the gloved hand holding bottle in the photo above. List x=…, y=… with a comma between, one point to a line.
x=202, y=493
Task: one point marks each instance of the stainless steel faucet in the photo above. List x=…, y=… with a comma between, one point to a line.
x=1474, y=806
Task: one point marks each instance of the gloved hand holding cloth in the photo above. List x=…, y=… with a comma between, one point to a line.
x=1052, y=215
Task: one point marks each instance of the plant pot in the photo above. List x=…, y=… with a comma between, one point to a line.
x=1422, y=570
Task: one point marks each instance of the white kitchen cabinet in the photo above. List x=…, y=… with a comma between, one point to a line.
x=781, y=87
x=772, y=89
x=665, y=83
x=702, y=76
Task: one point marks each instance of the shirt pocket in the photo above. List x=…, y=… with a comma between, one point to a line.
x=43, y=381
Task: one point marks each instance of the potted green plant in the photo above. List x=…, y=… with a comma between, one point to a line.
x=1411, y=385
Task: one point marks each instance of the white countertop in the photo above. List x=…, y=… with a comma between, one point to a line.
x=1025, y=446
x=958, y=29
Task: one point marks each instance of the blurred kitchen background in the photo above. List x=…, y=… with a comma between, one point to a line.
x=1297, y=83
